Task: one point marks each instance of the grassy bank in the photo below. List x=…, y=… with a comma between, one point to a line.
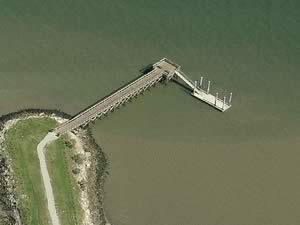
x=66, y=191
x=21, y=142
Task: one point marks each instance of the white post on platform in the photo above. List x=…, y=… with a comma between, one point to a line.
x=217, y=94
x=230, y=98
x=195, y=86
x=208, y=86
x=224, y=100
x=201, y=80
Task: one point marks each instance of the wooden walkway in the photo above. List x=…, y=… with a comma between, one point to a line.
x=162, y=70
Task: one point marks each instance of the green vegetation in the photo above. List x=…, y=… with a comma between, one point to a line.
x=59, y=160
x=21, y=142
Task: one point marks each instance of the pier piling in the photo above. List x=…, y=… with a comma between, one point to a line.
x=201, y=80
x=216, y=98
x=208, y=86
x=224, y=101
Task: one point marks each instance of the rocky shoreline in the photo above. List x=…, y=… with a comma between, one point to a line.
x=9, y=214
x=92, y=187
x=97, y=175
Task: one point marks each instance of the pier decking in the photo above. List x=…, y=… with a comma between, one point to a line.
x=162, y=70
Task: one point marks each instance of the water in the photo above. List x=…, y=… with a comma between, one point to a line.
x=173, y=160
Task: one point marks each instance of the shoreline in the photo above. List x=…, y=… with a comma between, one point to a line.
x=90, y=180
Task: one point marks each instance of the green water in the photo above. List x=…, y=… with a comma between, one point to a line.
x=172, y=159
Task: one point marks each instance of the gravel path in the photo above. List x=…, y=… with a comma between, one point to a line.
x=46, y=179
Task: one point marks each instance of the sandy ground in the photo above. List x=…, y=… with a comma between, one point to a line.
x=82, y=177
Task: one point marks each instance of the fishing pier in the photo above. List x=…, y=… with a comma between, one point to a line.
x=163, y=70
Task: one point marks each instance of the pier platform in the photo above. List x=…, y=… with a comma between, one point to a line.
x=210, y=99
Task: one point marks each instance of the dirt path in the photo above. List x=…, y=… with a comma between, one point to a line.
x=46, y=179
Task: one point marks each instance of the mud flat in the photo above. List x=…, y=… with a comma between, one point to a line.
x=83, y=160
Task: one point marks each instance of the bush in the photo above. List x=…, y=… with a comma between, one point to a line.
x=69, y=144
x=76, y=171
x=78, y=159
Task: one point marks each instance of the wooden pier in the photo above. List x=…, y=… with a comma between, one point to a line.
x=162, y=70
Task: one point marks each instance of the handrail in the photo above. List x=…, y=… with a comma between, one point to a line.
x=186, y=77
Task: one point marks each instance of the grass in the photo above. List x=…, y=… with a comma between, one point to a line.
x=65, y=189
x=21, y=142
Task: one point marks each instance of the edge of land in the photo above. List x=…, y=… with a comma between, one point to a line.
x=92, y=187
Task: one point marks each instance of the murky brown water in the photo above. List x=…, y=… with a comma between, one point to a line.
x=173, y=160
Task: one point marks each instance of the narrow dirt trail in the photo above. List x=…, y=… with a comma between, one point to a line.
x=46, y=178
